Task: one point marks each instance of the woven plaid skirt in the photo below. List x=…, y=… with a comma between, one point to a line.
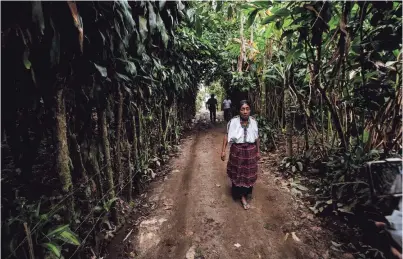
x=242, y=165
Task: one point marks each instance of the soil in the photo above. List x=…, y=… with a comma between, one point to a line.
x=194, y=215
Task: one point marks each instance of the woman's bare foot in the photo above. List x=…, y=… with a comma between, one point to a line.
x=244, y=203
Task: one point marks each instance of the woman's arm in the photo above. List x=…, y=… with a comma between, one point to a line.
x=258, y=148
x=224, y=146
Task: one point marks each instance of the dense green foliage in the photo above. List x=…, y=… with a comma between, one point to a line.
x=330, y=72
x=97, y=93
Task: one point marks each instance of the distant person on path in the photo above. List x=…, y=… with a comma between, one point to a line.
x=227, y=109
x=242, y=134
x=212, y=106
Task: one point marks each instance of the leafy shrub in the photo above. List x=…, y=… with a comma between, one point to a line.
x=266, y=134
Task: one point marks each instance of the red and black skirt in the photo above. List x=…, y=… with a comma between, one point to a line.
x=242, y=168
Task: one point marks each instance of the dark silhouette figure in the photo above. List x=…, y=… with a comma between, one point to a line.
x=212, y=106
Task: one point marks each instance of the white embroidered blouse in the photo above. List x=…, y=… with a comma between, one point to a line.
x=237, y=134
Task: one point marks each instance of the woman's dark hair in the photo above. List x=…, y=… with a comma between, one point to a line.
x=244, y=102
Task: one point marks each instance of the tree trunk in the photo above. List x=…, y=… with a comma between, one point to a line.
x=135, y=148
x=95, y=167
x=131, y=167
x=103, y=126
x=335, y=117
x=119, y=118
x=288, y=119
x=106, y=148
x=242, y=47
x=79, y=164
x=62, y=150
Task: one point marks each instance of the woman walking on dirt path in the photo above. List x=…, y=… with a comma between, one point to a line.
x=242, y=134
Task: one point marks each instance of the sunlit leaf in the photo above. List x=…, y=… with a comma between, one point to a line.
x=27, y=63
x=68, y=237
x=57, y=230
x=102, y=70
x=53, y=249
x=365, y=136
x=152, y=18
x=143, y=27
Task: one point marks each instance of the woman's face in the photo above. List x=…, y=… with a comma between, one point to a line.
x=244, y=111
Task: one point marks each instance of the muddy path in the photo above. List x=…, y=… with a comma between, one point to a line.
x=196, y=217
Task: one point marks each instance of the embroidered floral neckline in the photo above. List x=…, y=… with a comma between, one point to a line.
x=245, y=127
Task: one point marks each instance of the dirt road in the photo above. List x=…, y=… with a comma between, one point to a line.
x=196, y=217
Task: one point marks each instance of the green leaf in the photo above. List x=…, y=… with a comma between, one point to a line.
x=53, y=249
x=300, y=166
x=365, y=136
x=289, y=56
x=57, y=230
x=98, y=208
x=143, y=27
x=38, y=208
x=129, y=66
x=68, y=237
x=109, y=203
x=37, y=15
x=298, y=53
x=293, y=169
x=396, y=52
x=123, y=77
x=152, y=18
x=282, y=12
x=102, y=70
x=270, y=19
x=27, y=63
x=252, y=17
x=198, y=27
x=162, y=30
x=161, y=4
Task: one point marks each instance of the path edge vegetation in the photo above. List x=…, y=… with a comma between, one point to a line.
x=98, y=93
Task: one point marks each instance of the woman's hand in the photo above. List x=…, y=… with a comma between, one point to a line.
x=258, y=155
x=223, y=156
